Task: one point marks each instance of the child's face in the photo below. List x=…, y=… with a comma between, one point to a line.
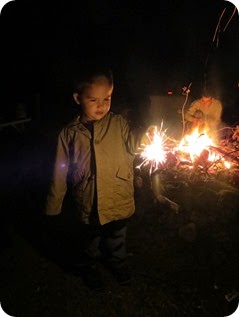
x=95, y=101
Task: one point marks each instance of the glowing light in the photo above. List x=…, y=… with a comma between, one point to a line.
x=154, y=151
x=196, y=148
x=195, y=143
x=227, y=164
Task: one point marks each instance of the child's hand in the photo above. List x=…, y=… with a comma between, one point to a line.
x=151, y=131
x=138, y=181
x=148, y=136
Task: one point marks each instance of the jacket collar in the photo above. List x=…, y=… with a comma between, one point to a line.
x=76, y=125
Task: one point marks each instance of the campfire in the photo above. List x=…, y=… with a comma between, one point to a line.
x=196, y=156
x=201, y=150
x=197, y=150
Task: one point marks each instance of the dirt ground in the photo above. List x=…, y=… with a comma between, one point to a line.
x=184, y=263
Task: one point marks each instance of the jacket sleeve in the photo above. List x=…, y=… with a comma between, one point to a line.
x=191, y=110
x=132, y=136
x=58, y=183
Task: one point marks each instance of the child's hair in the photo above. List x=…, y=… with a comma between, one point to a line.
x=89, y=74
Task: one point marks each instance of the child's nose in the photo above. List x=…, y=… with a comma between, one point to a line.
x=100, y=103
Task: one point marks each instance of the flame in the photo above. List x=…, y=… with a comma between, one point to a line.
x=195, y=143
x=154, y=151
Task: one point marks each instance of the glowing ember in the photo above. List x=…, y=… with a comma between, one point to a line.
x=227, y=164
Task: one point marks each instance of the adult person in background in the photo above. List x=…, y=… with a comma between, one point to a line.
x=205, y=114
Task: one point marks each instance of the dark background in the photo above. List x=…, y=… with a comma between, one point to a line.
x=185, y=263
x=152, y=48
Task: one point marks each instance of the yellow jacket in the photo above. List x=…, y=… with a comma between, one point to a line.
x=114, y=146
x=211, y=115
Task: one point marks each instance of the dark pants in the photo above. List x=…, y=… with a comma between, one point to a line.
x=81, y=244
x=107, y=242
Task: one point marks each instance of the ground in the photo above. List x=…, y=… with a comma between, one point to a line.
x=185, y=263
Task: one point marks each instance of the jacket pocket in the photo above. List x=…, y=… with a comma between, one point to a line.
x=124, y=173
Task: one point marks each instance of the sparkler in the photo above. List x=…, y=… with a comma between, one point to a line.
x=154, y=148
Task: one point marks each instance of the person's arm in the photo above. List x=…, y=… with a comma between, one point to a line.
x=58, y=184
x=132, y=136
x=194, y=115
x=189, y=115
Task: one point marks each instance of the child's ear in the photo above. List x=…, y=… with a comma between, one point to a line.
x=76, y=97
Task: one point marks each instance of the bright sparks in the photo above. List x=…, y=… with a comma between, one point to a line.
x=154, y=150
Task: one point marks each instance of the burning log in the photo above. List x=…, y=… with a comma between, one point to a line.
x=203, y=158
x=235, y=135
x=228, y=155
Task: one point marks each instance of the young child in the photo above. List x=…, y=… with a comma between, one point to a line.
x=94, y=161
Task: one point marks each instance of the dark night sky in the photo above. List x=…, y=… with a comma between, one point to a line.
x=151, y=48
